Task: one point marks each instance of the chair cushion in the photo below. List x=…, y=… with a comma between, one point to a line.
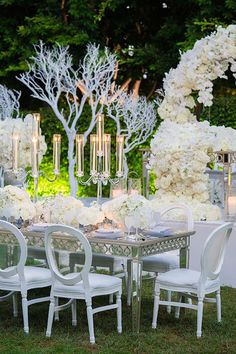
x=34, y=276
x=184, y=278
x=98, y=282
x=160, y=263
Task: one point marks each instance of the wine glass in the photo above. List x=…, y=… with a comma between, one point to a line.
x=129, y=223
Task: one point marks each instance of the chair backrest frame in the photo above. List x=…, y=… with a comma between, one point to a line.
x=83, y=274
x=218, y=238
x=19, y=268
x=185, y=208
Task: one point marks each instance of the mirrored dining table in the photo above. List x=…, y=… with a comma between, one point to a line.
x=123, y=246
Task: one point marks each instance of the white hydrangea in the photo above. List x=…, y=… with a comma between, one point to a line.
x=92, y=215
x=16, y=203
x=59, y=210
x=129, y=205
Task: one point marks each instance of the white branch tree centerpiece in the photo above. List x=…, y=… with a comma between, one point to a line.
x=51, y=77
x=135, y=118
x=180, y=146
x=9, y=103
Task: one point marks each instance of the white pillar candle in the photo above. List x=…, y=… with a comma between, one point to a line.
x=232, y=205
x=119, y=155
x=93, y=153
x=15, y=152
x=107, y=154
x=56, y=153
x=34, y=157
x=100, y=134
x=36, y=128
x=79, y=155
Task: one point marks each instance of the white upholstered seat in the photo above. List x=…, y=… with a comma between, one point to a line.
x=80, y=285
x=194, y=284
x=21, y=278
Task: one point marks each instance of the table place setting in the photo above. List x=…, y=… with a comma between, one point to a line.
x=108, y=233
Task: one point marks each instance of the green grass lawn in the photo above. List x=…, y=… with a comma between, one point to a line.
x=172, y=335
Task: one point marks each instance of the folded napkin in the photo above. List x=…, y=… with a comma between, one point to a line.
x=159, y=231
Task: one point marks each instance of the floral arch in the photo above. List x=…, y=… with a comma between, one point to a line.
x=179, y=147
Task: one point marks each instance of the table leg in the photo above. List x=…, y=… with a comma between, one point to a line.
x=136, y=286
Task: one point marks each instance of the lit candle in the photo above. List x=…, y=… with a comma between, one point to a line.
x=133, y=192
x=36, y=128
x=100, y=134
x=119, y=155
x=117, y=193
x=93, y=153
x=232, y=206
x=107, y=154
x=79, y=155
x=34, y=157
x=56, y=153
x=15, y=151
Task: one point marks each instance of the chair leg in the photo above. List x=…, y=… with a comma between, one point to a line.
x=50, y=316
x=177, y=309
x=15, y=306
x=90, y=321
x=119, y=313
x=169, y=300
x=128, y=282
x=218, y=305
x=156, y=304
x=56, y=316
x=199, y=316
x=25, y=312
x=74, y=313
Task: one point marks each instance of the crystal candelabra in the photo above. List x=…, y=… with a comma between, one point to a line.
x=100, y=158
x=227, y=158
x=20, y=173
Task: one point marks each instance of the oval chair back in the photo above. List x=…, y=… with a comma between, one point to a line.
x=213, y=252
x=19, y=267
x=187, y=211
x=69, y=279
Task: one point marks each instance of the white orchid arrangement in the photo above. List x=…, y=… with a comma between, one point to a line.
x=180, y=146
x=16, y=203
x=136, y=205
x=23, y=128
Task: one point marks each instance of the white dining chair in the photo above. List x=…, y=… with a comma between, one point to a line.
x=194, y=284
x=80, y=285
x=160, y=263
x=22, y=278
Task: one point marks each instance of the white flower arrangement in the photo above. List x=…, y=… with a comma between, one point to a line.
x=90, y=215
x=129, y=205
x=23, y=128
x=209, y=59
x=59, y=210
x=16, y=203
x=180, y=146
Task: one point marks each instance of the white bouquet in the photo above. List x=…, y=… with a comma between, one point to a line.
x=16, y=203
